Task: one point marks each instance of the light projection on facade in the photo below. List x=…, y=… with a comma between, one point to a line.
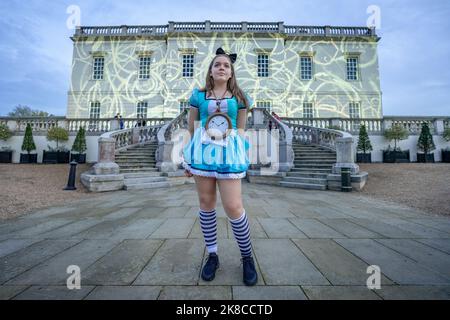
x=296, y=71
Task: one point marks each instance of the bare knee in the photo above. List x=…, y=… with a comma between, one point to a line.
x=207, y=201
x=234, y=209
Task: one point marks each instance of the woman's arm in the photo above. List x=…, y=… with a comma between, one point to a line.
x=241, y=121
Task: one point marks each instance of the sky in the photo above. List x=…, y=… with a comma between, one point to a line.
x=413, y=53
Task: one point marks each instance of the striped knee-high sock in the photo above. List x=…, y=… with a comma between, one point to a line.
x=208, y=223
x=241, y=231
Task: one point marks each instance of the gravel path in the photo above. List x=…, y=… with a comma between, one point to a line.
x=424, y=186
x=27, y=187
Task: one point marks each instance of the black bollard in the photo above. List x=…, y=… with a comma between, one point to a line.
x=346, y=180
x=72, y=175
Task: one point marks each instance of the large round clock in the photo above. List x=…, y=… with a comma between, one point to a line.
x=218, y=126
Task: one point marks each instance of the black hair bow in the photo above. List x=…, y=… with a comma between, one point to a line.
x=233, y=56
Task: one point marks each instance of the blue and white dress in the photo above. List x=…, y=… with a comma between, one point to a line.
x=226, y=159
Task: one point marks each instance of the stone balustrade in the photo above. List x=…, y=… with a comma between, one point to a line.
x=236, y=27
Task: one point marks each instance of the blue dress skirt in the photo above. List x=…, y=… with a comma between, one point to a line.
x=226, y=159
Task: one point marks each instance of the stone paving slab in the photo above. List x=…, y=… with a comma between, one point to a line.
x=173, y=228
x=440, y=244
x=124, y=293
x=440, y=224
x=282, y=263
x=419, y=230
x=434, y=259
x=138, y=229
x=70, y=229
x=26, y=258
x=12, y=245
x=384, y=228
x=177, y=262
x=35, y=230
x=414, y=292
x=280, y=228
x=315, y=229
x=54, y=270
x=268, y=293
x=340, y=293
x=395, y=266
x=338, y=265
x=9, y=292
x=195, y=293
x=121, y=265
x=54, y=293
x=349, y=229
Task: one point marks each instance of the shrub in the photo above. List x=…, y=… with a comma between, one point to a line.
x=28, y=141
x=57, y=134
x=396, y=133
x=364, y=141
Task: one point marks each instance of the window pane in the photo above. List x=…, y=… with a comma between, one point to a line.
x=144, y=67
x=306, y=68
x=352, y=68
x=308, y=110
x=188, y=65
x=141, y=111
x=263, y=65
x=98, y=68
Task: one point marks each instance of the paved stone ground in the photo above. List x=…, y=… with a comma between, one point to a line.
x=148, y=245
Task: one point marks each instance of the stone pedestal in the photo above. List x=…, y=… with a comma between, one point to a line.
x=344, y=156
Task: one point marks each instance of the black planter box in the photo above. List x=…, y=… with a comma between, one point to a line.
x=364, y=157
x=445, y=155
x=396, y=156
x=28, y=158
x=5, y=156
x=421, y=157
x=56, y=157
x=79, y=158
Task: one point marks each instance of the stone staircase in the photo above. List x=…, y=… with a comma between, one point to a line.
x=312, y=164
x=137, y=164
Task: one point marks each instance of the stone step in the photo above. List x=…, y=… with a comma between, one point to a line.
x=151, y=185
x=310, y=186
x=134, y=153
x=137, y=165
x=142, y=175
x=300, y=162
x=133, y=161
x=305, y=180
x=315, y=156
x=141, y=180
x=314, y=166
x=312, y=170
x=133, y=170
x=307, y=175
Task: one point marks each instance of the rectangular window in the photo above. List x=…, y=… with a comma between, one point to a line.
x=354, y=110
x=184, y=104
x=94, y=112
x=141, y=110
x=264, y=104
x=352, y=68
x=144, y=67
x=188, y=65
x=263, y=65
x=305, y=68
x=99, y=63
x=308, y=111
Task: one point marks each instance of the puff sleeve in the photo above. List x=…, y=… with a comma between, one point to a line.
x=193, y=100
x=249, y=100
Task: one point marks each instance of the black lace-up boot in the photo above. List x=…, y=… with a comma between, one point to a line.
x=210, y=267
x=250, y=274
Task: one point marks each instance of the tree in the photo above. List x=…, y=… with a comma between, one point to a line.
x=25, y=111
x=446, y=134
x=364, y=141
x=57, y=134
x=396, y=133
x=79, y=145
x=425, y=142
x=28, y=141
x=5, y=133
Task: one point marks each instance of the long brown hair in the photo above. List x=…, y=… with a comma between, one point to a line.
x=232, y=85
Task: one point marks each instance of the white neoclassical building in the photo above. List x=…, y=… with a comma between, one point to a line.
x=296, y=71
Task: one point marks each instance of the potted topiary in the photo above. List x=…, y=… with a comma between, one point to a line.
x=396, y=133
x=6, y=151
x=446, y=151
x=60, y=154
x=28, y=145
x=364, y=145
x=79, y=146
x=425, y=144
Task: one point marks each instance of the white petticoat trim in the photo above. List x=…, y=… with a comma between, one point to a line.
x=213, y=174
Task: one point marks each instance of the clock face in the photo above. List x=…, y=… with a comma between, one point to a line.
x=218, y=126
